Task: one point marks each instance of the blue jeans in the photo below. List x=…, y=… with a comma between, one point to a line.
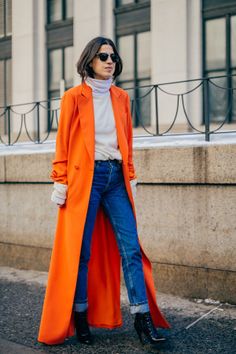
x=108, y=190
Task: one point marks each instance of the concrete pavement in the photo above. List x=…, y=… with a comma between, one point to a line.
x=198, y=326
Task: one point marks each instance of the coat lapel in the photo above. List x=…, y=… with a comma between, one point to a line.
x=120, y=119
x=86, y=113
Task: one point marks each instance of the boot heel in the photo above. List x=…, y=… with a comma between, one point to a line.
x=144, y=327
x=139, y=332
x=82, y=329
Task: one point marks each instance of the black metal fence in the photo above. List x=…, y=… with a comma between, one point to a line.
x=203, y=105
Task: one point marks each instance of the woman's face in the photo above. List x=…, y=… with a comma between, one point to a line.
x=103, y=70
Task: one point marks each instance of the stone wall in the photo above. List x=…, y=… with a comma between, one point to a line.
x=186, y=209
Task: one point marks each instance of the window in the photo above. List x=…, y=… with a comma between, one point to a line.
x=5, y=91
x=59, y=10
x=126, y=2
x=5, y=18
x=60, y=72
x=60, y=45
x=219, y=56
x=60, y=48
x=60, y=64
x=135, y=52
x=133, y=41
x=5, y=79
x=5, y=60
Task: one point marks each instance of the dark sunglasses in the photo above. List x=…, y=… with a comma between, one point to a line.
x=104, y=56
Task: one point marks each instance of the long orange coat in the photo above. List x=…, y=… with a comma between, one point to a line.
x=74, y=165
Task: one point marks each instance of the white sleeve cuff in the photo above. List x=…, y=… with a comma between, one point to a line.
x=59, y=193
x=60, y=188
x=133, y=184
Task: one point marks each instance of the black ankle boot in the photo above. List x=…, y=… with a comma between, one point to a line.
x=82, y=329
x=144, y=326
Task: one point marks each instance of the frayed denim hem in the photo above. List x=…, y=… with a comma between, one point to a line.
x=80, y=307
x=141, y=308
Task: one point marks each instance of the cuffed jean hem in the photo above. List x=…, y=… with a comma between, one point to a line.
x=141, y=308
x=80, y=307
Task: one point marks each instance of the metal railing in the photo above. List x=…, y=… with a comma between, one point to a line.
x=155, y=107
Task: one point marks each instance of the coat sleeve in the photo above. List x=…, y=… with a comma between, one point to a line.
x=59, y=164
x=132, y=174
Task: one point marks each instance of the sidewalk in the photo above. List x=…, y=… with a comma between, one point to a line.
x=21, y=298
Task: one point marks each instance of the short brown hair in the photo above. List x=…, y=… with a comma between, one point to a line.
x=88, y=54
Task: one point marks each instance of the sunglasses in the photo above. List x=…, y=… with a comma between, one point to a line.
x=104, y=56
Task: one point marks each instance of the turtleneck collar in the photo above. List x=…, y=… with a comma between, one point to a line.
x=99, y=87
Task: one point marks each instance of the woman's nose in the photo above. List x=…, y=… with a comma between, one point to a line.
x=109, y=59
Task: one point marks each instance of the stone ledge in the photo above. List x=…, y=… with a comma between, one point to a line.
x=214, y=164
x=193, y=282
x=24, y=257
x=2, y=168
x=28, y=167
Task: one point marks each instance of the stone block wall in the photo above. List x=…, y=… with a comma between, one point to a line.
x=186, y=211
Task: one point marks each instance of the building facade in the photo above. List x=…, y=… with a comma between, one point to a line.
x=160, y=41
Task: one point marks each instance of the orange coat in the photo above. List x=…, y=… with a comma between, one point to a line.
x=74, y=165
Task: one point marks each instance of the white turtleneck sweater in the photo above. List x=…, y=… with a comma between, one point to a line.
x=106, y=146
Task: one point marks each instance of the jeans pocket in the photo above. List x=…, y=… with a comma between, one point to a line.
x=97, y=165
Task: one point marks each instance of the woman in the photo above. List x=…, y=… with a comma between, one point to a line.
x=94, y=186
